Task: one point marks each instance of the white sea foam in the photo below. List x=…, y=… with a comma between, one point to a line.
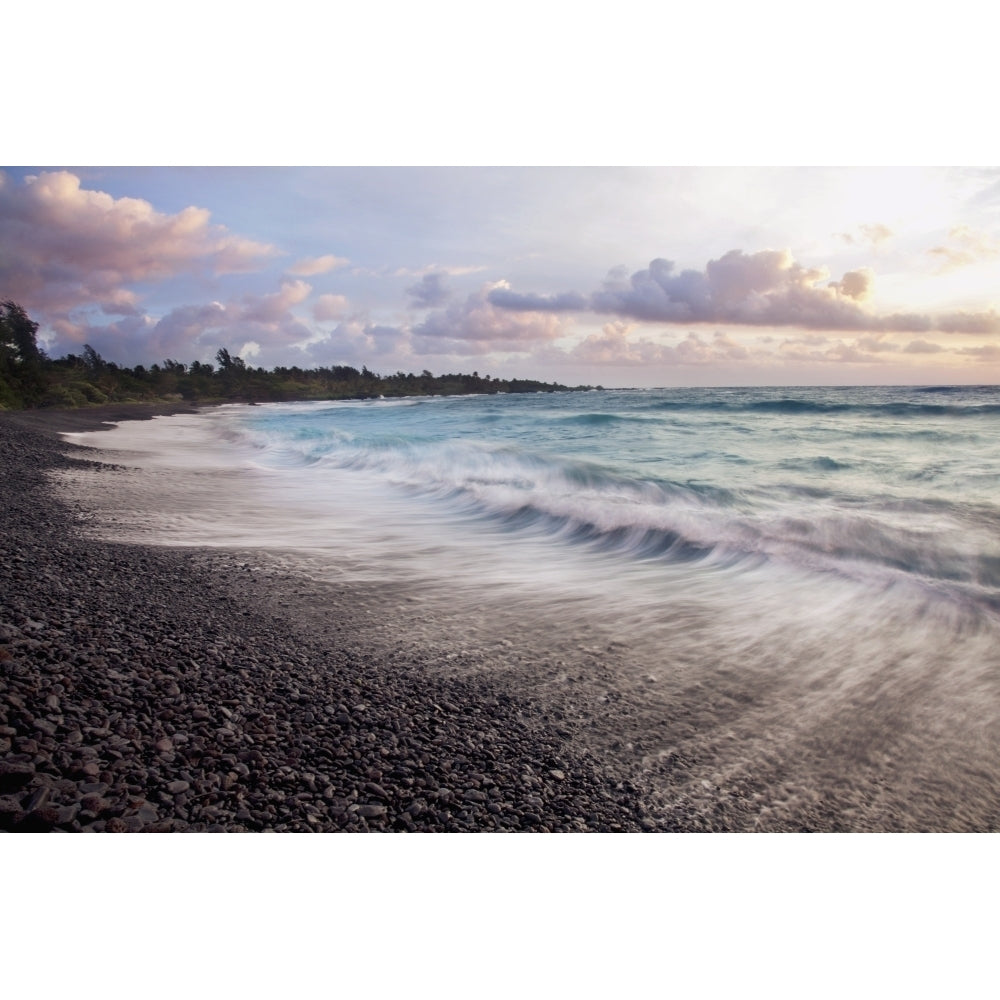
x=498, y=493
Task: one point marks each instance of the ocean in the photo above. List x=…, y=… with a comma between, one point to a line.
x=787, y=593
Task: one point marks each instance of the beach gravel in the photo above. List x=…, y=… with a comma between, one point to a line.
x=152, y=689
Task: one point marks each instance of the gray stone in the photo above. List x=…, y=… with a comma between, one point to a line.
x=10, y=809
x=38, y=798
x=147, y=813
x=92, y=788
x=93, y=805
x=68, y=813
x=14, y=775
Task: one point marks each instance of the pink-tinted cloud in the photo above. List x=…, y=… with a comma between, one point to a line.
x=564, y=302
x=615, y=345
x=852, y=353
x=764, y=289
x=876, y=343
x=187, y=331
x=192, y=332
x=965, y=246
x=618, y=344
x=67, y=246
x=988, y=352
x=823, y=350
x=977, y=324
x=309, y=266
x=357, y=341
x=329, y=307
x=477, y=325
x=123, y=341
x=767, y=288
x=922, y=347
x=872, y=234
x=855, y=284
x=272, y=307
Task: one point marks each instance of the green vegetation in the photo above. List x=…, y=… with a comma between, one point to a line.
x=29, y=379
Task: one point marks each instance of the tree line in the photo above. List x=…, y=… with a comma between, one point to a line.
x=29, y=378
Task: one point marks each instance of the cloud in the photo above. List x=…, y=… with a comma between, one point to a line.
x=567, y=302
x=123, y=340
x=271, y=308
x=822, y=350
x=355, y=341
x=903, y=323
x=189, y=332
x=695, y=351
x=767, y=288
x=329, y=307
x=877, y=344
x=980, y=323
x=309, y=266
x=452, y=270
x=851, y=353
x=120, y=302
x=430, y=291
x=763, y=289
x=618, y=345
x=922, y=347
x=965, y=246
x=614, y=345
x=871, y=234
x=478, y=326
x=67, y=246
x=988, y=352
x=854, y=285
x=180, y=333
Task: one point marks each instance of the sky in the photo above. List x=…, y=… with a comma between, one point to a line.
x=531, y=258
x=617, y=276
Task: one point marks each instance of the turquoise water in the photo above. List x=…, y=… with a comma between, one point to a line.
x=882, y=486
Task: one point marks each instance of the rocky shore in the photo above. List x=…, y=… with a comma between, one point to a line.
x=151, y=689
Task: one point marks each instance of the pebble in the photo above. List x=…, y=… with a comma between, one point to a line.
x=151, y=689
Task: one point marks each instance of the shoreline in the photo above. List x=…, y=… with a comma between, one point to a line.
x=152, y=689
x=54, y=422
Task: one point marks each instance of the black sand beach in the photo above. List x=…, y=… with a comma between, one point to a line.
x=157, y=690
